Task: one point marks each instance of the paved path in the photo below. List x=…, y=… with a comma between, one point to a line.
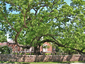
x=58, y=63
x=43, y=63
x=70, y=63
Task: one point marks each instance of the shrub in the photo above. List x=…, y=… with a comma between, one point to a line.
x=5, y=50
x=47, y=53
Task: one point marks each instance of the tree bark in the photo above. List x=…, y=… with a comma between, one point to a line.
x=37, y=50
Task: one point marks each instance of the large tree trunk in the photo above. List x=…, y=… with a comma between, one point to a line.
x=37, y=50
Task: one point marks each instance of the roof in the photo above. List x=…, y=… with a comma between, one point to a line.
x=3, y=44
x=11, y=41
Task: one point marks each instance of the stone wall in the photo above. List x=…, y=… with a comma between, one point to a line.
x=41, y=58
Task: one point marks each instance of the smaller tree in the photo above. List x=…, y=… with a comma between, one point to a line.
x=5, y=50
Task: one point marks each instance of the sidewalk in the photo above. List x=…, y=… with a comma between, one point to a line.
x=43, y=63
x=70, y=63
x=58, y=63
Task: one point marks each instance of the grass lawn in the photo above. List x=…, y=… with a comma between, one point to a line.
x=38, y=62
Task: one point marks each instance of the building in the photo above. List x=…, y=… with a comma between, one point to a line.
x=46, y=47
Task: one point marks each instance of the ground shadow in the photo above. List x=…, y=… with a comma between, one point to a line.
x=40, y=58
x=69, y=58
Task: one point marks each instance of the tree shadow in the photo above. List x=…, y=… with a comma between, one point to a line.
x=57, y=58
x=69, y=58
x=18, y=57
x=82, y=58
x=40, y=58
x=45, y=58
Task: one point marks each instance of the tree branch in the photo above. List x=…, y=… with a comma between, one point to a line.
x=15, y=6
x=8, y=22
x=17, y=35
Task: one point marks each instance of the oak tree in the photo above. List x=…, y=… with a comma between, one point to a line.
x=54, y=20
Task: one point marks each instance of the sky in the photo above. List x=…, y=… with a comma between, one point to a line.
x=14, y=12
x=67, y=1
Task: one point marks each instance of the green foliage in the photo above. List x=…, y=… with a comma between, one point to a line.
x=2, y=36
x=47, y=53
x=5, y=50
x=46, y=46
x=55, y=20
x=29, y=53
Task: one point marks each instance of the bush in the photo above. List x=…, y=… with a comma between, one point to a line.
x=29, y=53
x=47, y=53
x=5, y=50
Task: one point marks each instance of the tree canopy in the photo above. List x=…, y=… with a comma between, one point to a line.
x=54, y=20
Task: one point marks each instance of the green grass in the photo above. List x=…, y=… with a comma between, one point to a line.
x=40, y=62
